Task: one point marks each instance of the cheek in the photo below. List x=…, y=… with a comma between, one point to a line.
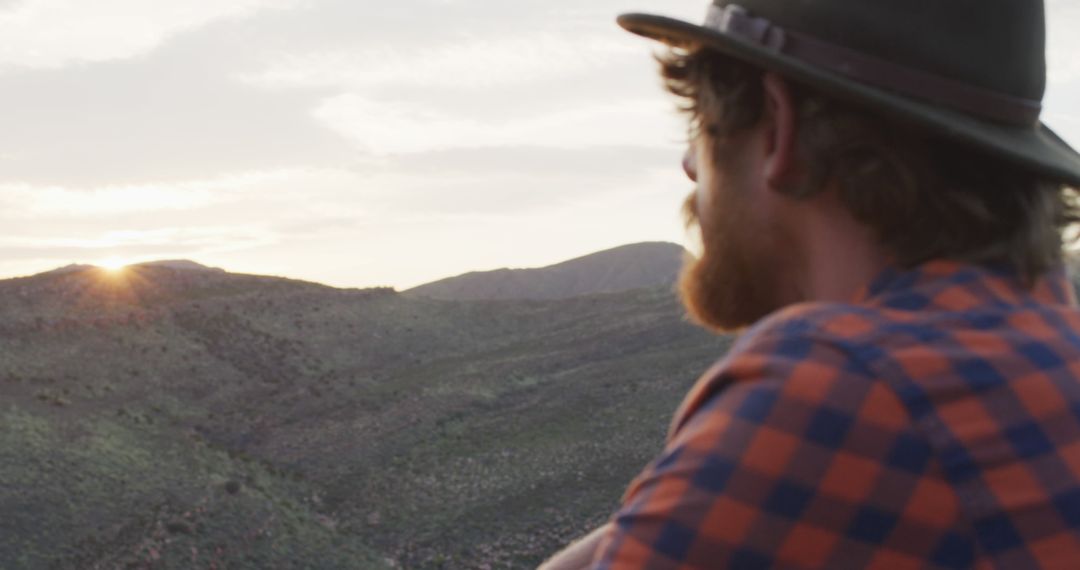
x=701, y=201
x=703, y=206
x=705, y=193
x=707, y=198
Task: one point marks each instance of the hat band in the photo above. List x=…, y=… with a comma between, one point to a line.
x=733, y=19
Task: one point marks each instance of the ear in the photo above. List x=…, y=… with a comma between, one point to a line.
x=780, y=143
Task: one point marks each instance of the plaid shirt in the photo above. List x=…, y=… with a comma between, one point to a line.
x=934, y=423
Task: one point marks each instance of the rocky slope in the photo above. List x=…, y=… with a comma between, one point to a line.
x=166, y=417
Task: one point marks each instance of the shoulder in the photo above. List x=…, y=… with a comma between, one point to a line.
x=839, y=323
x=812, y=335
x=789, y=432
x=807, y=354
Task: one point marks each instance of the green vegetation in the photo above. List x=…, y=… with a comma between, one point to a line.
x=189, y=419
x=102, y=494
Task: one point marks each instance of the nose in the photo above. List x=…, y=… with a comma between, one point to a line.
x=689, y=163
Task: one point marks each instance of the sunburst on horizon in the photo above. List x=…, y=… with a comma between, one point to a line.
x=114, y=264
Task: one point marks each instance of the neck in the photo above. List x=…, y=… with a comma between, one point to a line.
x=838, y=255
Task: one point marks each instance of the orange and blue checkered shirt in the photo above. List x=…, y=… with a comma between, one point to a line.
x=933, y=423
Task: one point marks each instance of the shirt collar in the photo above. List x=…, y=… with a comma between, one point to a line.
x=986, y=283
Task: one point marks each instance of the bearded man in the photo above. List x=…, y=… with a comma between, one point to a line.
x=879, y=203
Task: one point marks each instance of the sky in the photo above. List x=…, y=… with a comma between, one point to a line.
x=350, y=142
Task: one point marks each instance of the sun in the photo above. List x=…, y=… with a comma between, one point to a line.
x=113, y=264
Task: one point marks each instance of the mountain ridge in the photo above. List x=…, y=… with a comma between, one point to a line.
x=631, y=266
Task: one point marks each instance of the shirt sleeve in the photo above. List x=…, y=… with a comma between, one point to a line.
x=799, y=459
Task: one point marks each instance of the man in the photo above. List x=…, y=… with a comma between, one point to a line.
x=878, y=201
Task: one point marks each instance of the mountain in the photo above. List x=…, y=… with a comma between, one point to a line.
x=635, y=266
x=69, y=268
x=180, y=264
x=168, y=418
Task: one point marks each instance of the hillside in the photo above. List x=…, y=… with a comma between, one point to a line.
x=170, y=418
x=635, y=266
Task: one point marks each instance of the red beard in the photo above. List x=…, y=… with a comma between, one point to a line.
x=736, y=280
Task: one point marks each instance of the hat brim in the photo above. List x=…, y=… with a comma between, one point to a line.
x=1037, y=146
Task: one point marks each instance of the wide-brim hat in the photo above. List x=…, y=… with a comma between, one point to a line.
x=970, y=70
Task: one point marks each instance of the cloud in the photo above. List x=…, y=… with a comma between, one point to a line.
x=472, y=64
x=320, y=223
x=505, y=182
x=198, y=238
x=382, y=128
x=175, y=116
x=134, y=246
x=184, y=219
x=57, y=33
x=1063, y=44
x=504, y=89
x=349, y=143
x=60, y=201
x=584, y=164
x=1066, y=126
